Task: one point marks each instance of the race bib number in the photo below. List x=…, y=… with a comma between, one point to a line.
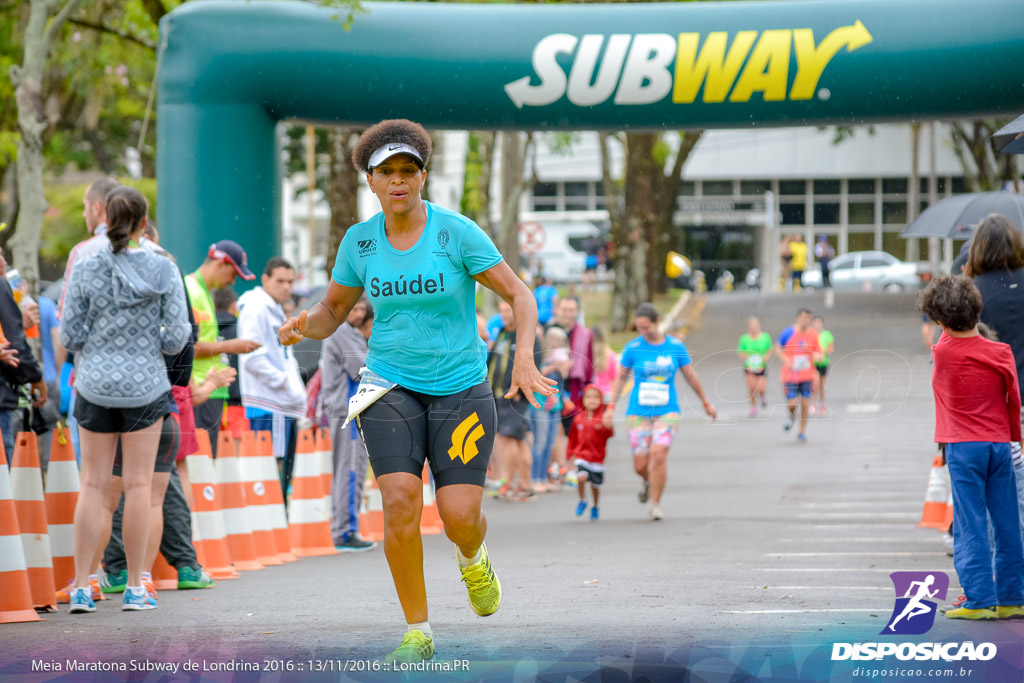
x=755, y=361
x=653, y=394
x=371, y=387
x=801, y=362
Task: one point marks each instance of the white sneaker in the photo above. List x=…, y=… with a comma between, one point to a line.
x=655, y=514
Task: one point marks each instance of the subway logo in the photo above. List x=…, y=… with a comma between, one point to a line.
x=646, y=68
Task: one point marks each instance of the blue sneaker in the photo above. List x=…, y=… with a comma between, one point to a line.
x=81, y=601
x=134, y=602
x=801, y=437
x=580, y=508
x=594, y=514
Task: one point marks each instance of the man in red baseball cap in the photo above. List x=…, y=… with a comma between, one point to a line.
x=225, y=261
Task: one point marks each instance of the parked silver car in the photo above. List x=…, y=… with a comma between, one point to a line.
x=867, y=271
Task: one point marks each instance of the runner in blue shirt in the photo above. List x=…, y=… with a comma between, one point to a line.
x=652, y=360
x=546, y=296
x=419, y=264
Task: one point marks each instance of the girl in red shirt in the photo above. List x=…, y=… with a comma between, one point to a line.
x=588, y=442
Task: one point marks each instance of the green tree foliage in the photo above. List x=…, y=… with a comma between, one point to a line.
x=64, y=227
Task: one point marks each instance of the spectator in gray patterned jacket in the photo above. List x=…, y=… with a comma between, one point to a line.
x=124, y=308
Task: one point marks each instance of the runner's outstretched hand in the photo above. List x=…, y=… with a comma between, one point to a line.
x=294, y=329
x=527, y=378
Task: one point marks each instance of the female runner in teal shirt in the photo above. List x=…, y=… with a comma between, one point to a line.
x=419, y=265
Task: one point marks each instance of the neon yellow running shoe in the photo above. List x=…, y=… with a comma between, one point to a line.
x=416, y=646
x=984, y=613
x=1010, y=611
x=482, y=584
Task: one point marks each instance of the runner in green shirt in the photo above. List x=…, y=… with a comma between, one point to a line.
x=827, y=342
x=224, y=262
x=755, y=348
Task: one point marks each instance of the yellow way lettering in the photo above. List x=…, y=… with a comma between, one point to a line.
x=811, y=61
x=767, y=70
x=712, y=66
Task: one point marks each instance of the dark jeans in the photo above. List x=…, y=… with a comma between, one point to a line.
x=7, y=429
x=176, y=544
x=287, y=463
x=208, y=418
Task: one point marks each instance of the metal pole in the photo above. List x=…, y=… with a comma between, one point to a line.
x=769, y=262
x=933, y=197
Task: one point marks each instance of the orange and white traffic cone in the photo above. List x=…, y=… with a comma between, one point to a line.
x=27, y=487
x=256, y=498
x=208, y=534
x=309, y=524
x=430, y=520
x=325, y=448
x=371, y=516
x=934, y=512
x=267, y=464
x=16, y=596
x=233, y=510
x=62, y=486
x=165, y=577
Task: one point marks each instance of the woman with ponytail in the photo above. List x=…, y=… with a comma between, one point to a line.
x=124, y=308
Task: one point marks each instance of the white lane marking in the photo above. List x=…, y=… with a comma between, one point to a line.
x=859, y=504
x=854, y=515
x=887, y=570
x=888, y=589
x=839, y=525
x=853, y=554
x=870, y=539
x=864, y=407
x=803, y=611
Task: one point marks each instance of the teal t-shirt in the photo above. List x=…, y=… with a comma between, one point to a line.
x=425, y=334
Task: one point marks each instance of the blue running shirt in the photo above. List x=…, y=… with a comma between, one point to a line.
x=654, y=375
x=424, y=329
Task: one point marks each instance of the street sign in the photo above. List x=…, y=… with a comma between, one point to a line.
x=531, y=237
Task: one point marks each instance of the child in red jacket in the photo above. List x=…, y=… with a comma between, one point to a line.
x=588, y=441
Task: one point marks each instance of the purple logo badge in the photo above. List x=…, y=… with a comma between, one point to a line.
x=917, y=594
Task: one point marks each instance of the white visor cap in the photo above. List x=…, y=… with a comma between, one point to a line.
x=390, y=150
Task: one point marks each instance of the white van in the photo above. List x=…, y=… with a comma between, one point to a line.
x=562, y=257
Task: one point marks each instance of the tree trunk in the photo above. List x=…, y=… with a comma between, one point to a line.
x=983, y=169
x=12, y=217
x=343, y=191
x=629, y=286
x=476, y=186
x=515, y=148
x=27, y=79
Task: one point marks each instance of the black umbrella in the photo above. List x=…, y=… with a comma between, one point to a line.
x=1010, y=138
x=958, y=216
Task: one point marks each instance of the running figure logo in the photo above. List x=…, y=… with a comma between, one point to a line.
x=914, y=613
x=464, y=439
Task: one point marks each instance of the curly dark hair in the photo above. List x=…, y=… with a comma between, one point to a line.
x=953, y=301
x=388, y=132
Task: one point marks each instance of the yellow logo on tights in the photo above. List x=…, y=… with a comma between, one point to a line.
x=464, y=439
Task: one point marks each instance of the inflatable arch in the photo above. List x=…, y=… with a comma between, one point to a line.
x=231, y=69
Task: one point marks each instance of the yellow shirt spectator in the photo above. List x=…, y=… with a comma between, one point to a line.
x=799, y=252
